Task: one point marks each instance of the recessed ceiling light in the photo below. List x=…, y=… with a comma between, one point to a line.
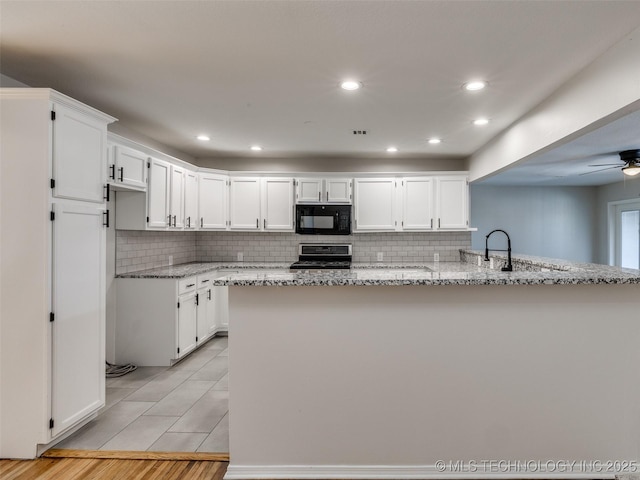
x=350, y=85
x=434, y=141
x=481, y=121
x=203, y=138
x=256, y=148
x=392, y=149
x=475, y=85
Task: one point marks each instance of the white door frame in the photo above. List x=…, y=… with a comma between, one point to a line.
x=612, y=222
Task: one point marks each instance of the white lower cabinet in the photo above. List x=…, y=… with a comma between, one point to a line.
x=161, y=320
x=187, y=323
x=78, y=303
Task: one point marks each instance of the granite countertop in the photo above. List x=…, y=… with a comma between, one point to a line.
x=549, y=272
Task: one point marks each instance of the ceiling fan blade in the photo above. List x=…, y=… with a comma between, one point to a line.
x=606, y=165
x=601, y=170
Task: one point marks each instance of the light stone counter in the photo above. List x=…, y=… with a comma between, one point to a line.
x=528, y=270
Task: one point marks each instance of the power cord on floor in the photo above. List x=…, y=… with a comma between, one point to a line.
x=119, y=370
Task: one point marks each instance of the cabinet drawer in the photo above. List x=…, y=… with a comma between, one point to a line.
x=187, y=285
x=204, y=280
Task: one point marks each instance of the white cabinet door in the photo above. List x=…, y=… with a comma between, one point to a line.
x=338, y=190
x=451, y=200
x=78, y=305
x=130, y=167
x=191, y=200
x=212, y=201
x=202, y=302
x=277, y=204
x=244, y=202
x=158, y=194
x=176, y=197
x=206, y=314
x=417, y=203
x=309, y=190
x=375, y=200
x=79, y=155
x=186, y=328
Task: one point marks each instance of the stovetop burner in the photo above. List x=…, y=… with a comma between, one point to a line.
x=317, y=265
x=323, y=257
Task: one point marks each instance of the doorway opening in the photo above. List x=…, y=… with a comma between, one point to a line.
x=624, y=234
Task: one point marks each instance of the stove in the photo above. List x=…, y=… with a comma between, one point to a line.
x=313, y=256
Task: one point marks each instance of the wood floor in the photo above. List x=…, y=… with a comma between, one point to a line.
x=71, y=465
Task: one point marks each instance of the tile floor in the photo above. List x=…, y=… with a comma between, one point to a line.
x=183, y=408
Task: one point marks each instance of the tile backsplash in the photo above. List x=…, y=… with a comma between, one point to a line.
x=141, y=250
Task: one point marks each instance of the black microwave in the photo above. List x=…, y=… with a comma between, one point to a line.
x=323, y=219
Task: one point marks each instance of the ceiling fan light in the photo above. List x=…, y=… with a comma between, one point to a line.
x=631, y=170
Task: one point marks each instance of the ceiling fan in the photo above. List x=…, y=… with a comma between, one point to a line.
x=631, y=167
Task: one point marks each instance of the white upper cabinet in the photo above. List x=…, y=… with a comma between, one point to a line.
x=212, y=201
x=191, y=200
x=309, y=190
x=375, y=204
x=176, y=197
x=324, y=190
x=338, y=190
x=417, y=205
x=277, y=204
x=128, y=168
x=452, y=202
x=244, y=203
x=158, y=194
x=79, y=154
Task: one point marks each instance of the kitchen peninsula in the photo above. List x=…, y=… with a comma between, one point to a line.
x=383, y=372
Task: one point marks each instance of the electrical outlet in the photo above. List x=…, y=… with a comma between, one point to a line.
x=240, y=256
x=380, y=256
x=436, y=257
x=170, y=259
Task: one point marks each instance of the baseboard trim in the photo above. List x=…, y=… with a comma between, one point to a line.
x=385, y=472
x=135, y=455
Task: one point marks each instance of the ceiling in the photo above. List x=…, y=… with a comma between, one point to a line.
x=267, y=72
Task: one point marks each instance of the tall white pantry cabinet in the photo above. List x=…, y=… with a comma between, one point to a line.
x=53, y=217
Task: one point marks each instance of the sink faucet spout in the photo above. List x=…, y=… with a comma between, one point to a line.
x=508, y=267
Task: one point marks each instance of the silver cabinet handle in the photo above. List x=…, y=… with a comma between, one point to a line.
x=319, y=196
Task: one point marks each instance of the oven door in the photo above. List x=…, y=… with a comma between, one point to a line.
x=323, y=219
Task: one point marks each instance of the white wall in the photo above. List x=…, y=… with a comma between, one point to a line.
x=626, y=190
x=387, y=164
x=11, y=82
x=556, y=222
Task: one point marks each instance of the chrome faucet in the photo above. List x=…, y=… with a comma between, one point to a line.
x=509, y=267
